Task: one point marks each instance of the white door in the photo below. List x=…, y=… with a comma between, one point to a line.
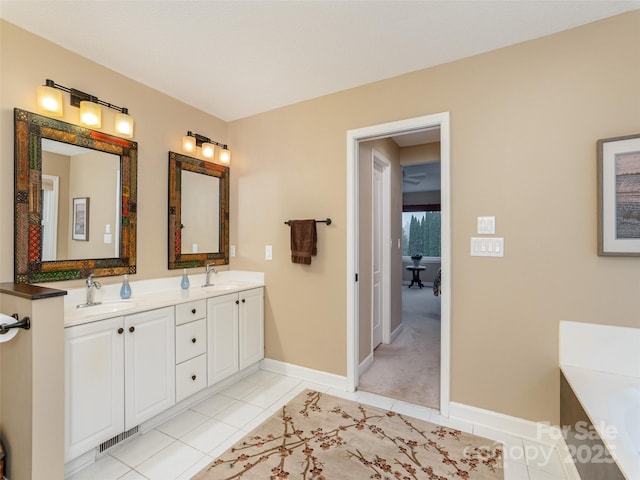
x=380, y=249
x=49, y=217
x=222, y=337
x=94, y=385
x=251, y=324
x=150, y=364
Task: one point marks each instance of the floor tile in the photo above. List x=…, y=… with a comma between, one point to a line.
x=513, y=446
x=182, y=424
x=342, y=394
x=227, y=444
x=105, y=468
x=415, y=411
x=262, y=417
x=171, y=462
x=264, y=377
x=137, y=450
x=132, y=475
x=208, y=435
x=194, y=469
x=535, y=474
x=375, y=400
x=240, y=389
x=239, y=414
x=515, y=471
x=264, y=395
x=213, y=405
x=543, y=457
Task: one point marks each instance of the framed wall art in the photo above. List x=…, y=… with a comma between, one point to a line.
x=80, y=225
x=619, y=196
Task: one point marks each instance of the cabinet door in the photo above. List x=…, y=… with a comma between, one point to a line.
x=94, y=385
x=222, y=337
x=149, y=364
x=251, y=324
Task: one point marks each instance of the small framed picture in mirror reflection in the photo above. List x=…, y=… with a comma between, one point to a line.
x=80, y=225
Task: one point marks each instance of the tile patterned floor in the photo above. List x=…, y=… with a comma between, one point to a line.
x=182, y=446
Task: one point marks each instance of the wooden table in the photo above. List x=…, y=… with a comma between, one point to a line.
x=416, y=275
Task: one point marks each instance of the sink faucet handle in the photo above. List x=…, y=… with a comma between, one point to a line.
x=210, y=268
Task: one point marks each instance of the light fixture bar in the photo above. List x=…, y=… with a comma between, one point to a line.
x=78, y=96
x=200, y=139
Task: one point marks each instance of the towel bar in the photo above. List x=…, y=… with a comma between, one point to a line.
x=327, y=221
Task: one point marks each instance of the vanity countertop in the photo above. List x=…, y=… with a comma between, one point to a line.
x=152, y=294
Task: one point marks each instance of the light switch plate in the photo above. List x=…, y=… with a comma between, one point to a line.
x=486, y=225
x=232, y=250
x=268, y=252
x=487, y=247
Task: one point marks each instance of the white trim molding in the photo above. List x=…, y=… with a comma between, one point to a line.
x=535, y=431
x=316, y=376
x=354, y=137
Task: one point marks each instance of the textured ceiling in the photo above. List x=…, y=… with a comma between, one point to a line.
x=233, y=59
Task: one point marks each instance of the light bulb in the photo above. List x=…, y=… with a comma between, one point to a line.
x=225, y=155
x=49, y=100
x=208, y=150
x=90, y=114
x=124, y=124
x=188, y=144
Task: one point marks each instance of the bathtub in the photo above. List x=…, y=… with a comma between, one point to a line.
x=602, y=366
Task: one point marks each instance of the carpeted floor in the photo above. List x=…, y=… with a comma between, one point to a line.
x=318, y=436
x=409, y=368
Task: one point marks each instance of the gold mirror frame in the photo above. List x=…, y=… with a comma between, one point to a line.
x=178, y=163
x=30, y=129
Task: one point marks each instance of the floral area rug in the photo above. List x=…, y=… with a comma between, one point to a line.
x=321, y=437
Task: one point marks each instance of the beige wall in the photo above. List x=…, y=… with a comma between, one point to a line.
x=427, y=152
x=524, y=122
x=524, y=126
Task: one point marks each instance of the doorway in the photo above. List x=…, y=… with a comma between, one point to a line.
x=354, y=137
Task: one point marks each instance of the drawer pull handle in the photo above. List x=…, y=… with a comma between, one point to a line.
x=193, y=377
x=193, y=310
x=120, y=330
x=132, y=329
x=193, y=340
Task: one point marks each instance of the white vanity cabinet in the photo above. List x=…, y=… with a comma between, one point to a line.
x=235, y=332
x=119, y=372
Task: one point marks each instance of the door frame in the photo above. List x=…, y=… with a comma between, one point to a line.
x=385, y=267
x=354, y=137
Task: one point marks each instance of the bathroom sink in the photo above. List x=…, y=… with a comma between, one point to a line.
x=107, y=307
x=221, y=287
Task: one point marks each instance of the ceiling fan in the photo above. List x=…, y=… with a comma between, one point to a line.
x=413, y=178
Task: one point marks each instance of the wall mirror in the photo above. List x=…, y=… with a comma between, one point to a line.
x=75, y=201
x=198, y=212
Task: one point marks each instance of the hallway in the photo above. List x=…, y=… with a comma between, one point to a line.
x=409, y=368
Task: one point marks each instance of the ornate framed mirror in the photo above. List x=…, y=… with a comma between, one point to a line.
x=198, y=212
x=66, y=175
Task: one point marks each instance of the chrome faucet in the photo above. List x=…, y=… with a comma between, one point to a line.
x=92, y=286
x=208, y=270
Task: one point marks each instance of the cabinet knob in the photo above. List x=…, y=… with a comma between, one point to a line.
x=193, y=340
x=193, y=310
x=193, y=377
x=243, y=300
x=237, y=302
x=120, y=330
x=132, y=329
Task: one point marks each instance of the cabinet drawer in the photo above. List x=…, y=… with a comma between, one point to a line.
x=191, y=377
x=186, y=312
x=191, y=340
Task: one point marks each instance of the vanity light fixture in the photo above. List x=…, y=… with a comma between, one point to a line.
x=50, y=103
x=192, y=140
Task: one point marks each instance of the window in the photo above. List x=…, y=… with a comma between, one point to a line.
x=421, y=230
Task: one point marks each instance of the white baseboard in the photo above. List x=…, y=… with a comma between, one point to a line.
x=538, y=432
x=366, y=363
x=304, y=373
x=396, y=332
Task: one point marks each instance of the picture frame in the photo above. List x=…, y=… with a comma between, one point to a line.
x=80, y=224
x=619, y=196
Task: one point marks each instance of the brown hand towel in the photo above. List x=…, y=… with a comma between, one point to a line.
x=303, y=241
